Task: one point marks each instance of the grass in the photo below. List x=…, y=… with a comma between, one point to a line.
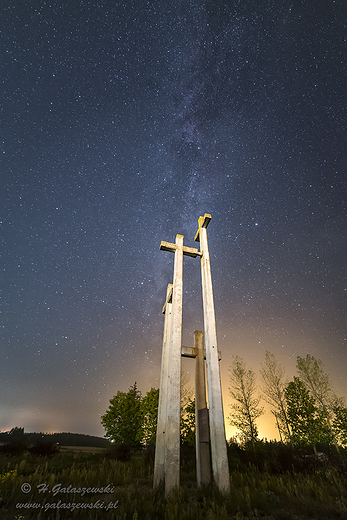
x=320, y=493
x=87, y=449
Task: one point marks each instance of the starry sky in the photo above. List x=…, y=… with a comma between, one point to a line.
x=121, y=124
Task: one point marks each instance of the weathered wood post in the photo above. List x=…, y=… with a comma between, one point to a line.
x=220, y=466
x=172, y=429
x=202, y=433
x=159, y=460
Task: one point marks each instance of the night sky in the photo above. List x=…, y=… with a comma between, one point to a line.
x=121, y=124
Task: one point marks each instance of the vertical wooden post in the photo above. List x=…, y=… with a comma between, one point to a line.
x=220, y=466
x=159, y=460
x=172, y=431
x=202, y=437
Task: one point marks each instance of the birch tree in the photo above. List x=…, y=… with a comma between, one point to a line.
x=273, y=392
x=312, y=374
x=245, y=410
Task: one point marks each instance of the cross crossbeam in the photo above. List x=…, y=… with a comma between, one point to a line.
x=188, y=251
x=191, y=352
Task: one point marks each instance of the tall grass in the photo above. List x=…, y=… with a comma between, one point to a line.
x=320, y=493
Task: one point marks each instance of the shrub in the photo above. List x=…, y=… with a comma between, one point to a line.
x=119, y=452
x=14, y=447
x=44, y=448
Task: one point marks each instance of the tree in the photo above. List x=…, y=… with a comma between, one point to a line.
x=274, y=384
x=246, y=410
x=187, y=406
x=149, y=409
x=132, y=419
x=186, y=391
x=188, y=423
x=124, y=418
x=16, y=432
x=340, y=423
x=311, y=373
x=307, y=422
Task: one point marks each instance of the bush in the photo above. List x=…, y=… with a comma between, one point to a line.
x=44, y=448
x=14, y=447
x=276, y=458
x=119, y=452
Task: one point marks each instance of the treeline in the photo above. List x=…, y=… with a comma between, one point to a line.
x=306, y=410
x=63, y=439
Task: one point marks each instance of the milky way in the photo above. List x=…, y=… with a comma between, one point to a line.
x=121, y=124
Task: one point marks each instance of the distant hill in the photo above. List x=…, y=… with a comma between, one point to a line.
x=64, y=438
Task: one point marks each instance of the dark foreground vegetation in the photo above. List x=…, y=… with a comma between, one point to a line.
x=271, y=481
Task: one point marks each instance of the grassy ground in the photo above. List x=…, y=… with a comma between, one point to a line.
x=87, y=449
x=31, y=488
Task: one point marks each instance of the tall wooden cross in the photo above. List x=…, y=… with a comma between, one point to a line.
x=220, y=466
x=171, y=436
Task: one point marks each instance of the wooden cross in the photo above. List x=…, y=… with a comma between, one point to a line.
x=171, y=438
x=220, y=467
